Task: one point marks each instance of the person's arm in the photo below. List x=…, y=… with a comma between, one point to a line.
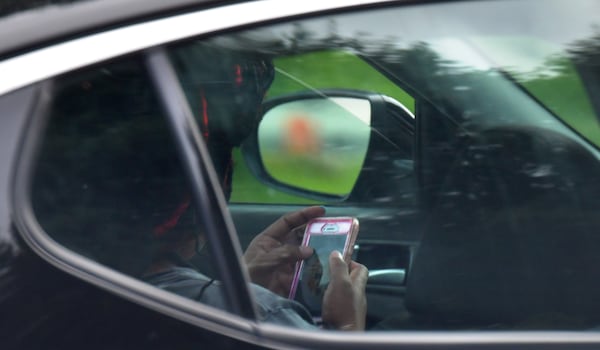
x=345, y=302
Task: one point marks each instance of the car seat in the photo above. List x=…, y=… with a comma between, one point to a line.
x=513, y=241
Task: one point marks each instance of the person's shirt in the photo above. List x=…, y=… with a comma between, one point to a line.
x=271, y=307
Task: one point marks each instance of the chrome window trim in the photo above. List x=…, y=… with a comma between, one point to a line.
x=50, y=61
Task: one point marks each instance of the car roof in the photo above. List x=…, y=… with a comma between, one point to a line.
x=41, y=26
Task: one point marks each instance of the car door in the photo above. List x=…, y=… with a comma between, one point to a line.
x=475, y=184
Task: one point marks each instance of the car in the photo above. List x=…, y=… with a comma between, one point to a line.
x=462, y=135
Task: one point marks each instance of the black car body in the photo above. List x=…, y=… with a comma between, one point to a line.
x=474, y=169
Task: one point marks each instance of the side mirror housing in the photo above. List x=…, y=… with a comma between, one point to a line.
x=314, y=144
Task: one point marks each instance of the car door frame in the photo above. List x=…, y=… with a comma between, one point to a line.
x=186, y=310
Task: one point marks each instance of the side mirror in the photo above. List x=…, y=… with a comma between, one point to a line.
x=314, y=144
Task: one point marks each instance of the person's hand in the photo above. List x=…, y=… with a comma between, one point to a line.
x=345, y=302
x=272, y=255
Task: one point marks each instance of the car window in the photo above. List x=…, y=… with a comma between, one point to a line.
x=476, y=185
x=110, y=186
x=462, y=137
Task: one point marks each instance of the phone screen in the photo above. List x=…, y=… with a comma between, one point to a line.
x=314, y=276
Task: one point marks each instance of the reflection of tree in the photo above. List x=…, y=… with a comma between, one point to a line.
x=566, y=83
x=587, y=51
x=11, y=6
x=299, y=36
x=585, y=54
x=107, y=168
x=416, y=63
x=558, y=82
x=333, y=36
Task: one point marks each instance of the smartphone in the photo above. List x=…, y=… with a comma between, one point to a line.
x=311, y=277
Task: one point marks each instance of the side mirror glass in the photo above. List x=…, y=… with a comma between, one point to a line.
x=315, y=144
x=320, y=144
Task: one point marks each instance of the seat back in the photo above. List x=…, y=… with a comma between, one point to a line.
x=513, y=240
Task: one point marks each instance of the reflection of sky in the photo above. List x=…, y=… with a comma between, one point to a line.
x=483, y=53
x=555, y=20
x=361, y=109
x=457, y=30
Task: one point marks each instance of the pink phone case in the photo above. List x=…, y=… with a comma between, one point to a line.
x=327, y=227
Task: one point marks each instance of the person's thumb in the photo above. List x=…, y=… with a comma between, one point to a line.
x=359, y=274
x=337, y=266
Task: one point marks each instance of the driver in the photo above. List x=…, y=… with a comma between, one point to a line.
x=226, y=94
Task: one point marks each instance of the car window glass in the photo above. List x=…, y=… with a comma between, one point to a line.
x=109, y=184
x=473, y=172
x=477, y=195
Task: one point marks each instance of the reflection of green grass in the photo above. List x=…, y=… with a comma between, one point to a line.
x=336, y=177
x=565, y=95
x=333, y=69
x=553, y=79
x=247, y=189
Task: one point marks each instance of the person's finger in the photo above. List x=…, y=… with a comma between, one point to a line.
x=338, y=269
x=359, y=274
x=282, y=255
x=280, y=228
